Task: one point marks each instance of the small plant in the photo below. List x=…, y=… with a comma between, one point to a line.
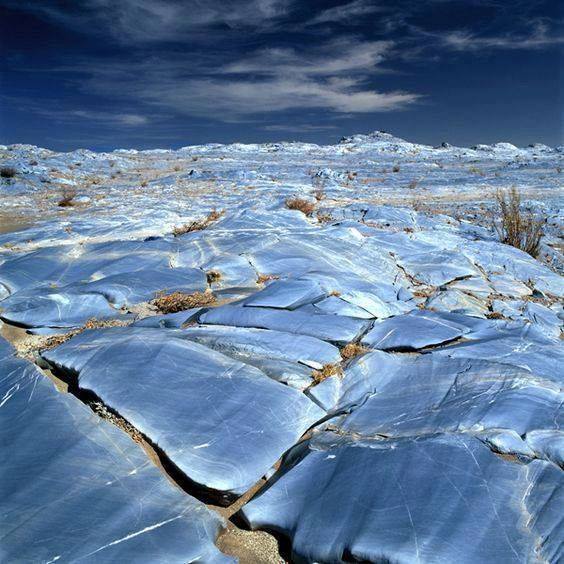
x=319, y=194
x=179, y=301
x=325, y=217
x=177, y=168
x=67, y=199
x=305, y=206
x=262, y=278
x=7, y=172
x=515, y=228
x=213, y=276
x=327, y=371
x=413, y=184
x=351, y=350
x=396, y=168
x=199, y=224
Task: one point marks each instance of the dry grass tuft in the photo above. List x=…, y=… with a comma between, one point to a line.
x=199, y=224
x=495, y=315
x=179, y=301
x=305, y=206
x=325, y=217
x=319, y=194
x=351, y=350
x=262, y=278
x=515, y=228
x=213, y=276
x=326, y=372
x=92, y=323
x=67, y=199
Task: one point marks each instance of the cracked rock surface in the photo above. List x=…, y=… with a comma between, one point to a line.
x=380, y=380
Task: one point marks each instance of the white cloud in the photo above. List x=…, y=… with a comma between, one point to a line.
x=332, y=77
x=345, y=54
x=147, y=21
x=537, y=37
x=72, y=115
x=347, y=13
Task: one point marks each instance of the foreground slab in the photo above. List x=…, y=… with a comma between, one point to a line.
x=74, y=487
x=437, y=499
x=221, y=422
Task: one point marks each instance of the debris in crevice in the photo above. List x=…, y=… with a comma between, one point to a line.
x=179, y=301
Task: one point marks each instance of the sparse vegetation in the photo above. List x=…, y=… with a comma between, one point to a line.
x=7, y=172
x=327, y=371
x=179, y=301
x=325, y=217
x=300, y=204
x=199, y=224
x=67, y=199
x=319, y=194
x=262, y=278
x=92, y=323
x=213, y=276
x=519, y=229
x=351, y=350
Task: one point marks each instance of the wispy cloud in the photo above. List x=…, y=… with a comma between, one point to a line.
x=539, y=36
x=147, y=21
x=347, y=13
x=345, y=54
x=332, y=76
x=104, y=118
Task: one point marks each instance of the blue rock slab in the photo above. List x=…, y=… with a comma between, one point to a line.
x=76, y=488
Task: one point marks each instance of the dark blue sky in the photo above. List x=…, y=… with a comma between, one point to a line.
x=104, y=74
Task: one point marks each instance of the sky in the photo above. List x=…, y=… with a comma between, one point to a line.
x=105, y=74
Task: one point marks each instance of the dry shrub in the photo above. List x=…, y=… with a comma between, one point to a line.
x=516, y=228
x=396, y=168
x=67, y=199
x=262, y=278
x=413, y=184
x=327, y=371
x=351, y=350
x=92, y=323
x=495, y=315
x=199, y=224
x=213, y=276
x=179, y=301
x=325, y=217
x=305, y=206
x=7, y=172
x=319, y=194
